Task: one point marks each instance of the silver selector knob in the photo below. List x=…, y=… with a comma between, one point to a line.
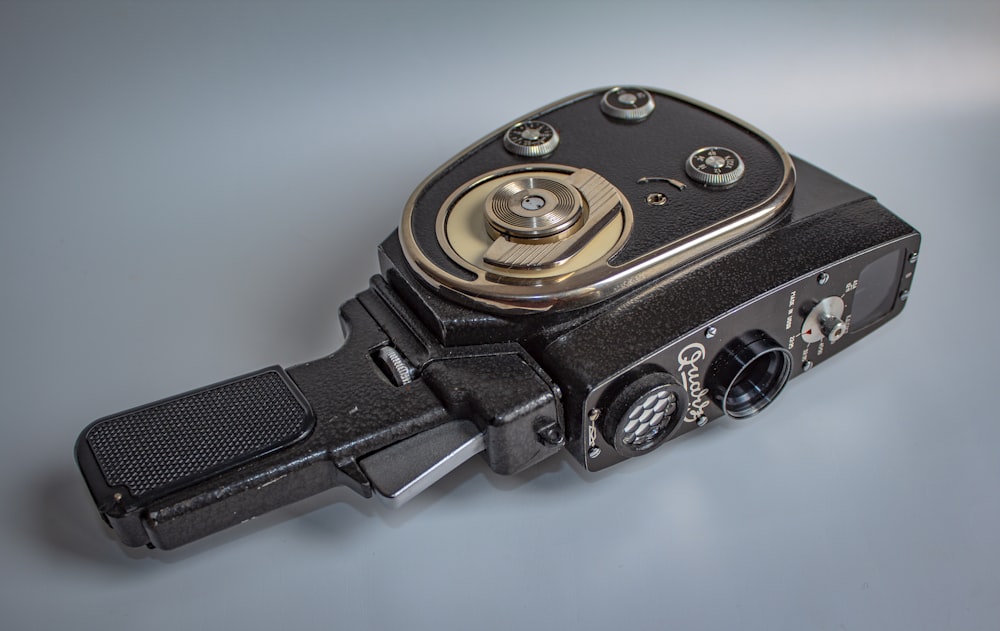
x=715, y=166
x=833, y=328
x=825, y=321
x=628, y=104
x=531, y=139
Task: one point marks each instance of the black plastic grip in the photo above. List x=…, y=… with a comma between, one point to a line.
x=134, y=457
x=174, y=471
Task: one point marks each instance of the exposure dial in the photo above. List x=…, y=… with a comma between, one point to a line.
x=531, y=139
x=825, y=321
x=628, y=104
x=715, y=166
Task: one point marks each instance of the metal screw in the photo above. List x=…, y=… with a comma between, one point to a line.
x=594, y=414
x=807, y=366
x=656, y=199
x=913, y=258
x=710, y=332
x=823, y=278
x=594, y=452
x=117, y=496
x=702, y=421
x=551, y=433
x=903, y=295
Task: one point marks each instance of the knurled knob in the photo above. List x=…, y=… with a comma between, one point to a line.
x=628, y=104
x=531, y=139
x=825, y=320
x=715, y=166
x=833, y=328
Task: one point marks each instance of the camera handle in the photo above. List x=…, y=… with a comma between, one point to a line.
x=390, y=412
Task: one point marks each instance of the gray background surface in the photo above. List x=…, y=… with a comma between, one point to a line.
x=189, y=190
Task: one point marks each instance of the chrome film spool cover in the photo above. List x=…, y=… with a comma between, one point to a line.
x=533, y=207
x=574, y=218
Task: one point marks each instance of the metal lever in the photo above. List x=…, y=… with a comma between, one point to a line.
x=403, y=470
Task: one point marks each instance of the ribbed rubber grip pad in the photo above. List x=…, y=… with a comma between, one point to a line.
x=154, y=449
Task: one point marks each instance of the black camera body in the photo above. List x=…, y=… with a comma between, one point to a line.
x=608, y=273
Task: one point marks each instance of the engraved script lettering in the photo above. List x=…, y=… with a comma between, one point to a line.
x=687, y=365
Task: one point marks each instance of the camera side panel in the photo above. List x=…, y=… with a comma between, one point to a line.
x=738, y=363
x=735, y=326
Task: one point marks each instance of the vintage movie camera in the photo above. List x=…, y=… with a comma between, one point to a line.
x=605, y=274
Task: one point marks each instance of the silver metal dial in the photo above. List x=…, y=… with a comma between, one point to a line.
x=531, y=139
x=833, y=328
x=532, y=207
x=825, y=321
x=629, y=104
x=715, y=166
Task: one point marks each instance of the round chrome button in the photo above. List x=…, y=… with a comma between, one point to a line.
x=531, y=139
x=628, y=104
x=715, y=166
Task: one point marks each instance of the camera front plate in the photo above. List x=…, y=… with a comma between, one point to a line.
x=782, y=332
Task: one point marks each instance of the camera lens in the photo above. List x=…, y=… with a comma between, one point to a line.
x=643, y=413
x=749, y=374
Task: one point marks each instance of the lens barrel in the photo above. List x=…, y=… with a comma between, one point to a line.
x=749, y=374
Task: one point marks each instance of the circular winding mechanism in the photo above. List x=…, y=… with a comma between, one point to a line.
x=532, y=208
x=534, y=223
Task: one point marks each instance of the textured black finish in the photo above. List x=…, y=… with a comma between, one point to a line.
x=528, y=383
x=508, y=395
x=674, y=305
x=357, y=411
x=157, y=447
x=358, y=408
x=455, y=324
x=828, y=220
x=596, y=351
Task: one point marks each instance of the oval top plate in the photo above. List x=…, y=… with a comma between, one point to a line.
x=645, y=162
